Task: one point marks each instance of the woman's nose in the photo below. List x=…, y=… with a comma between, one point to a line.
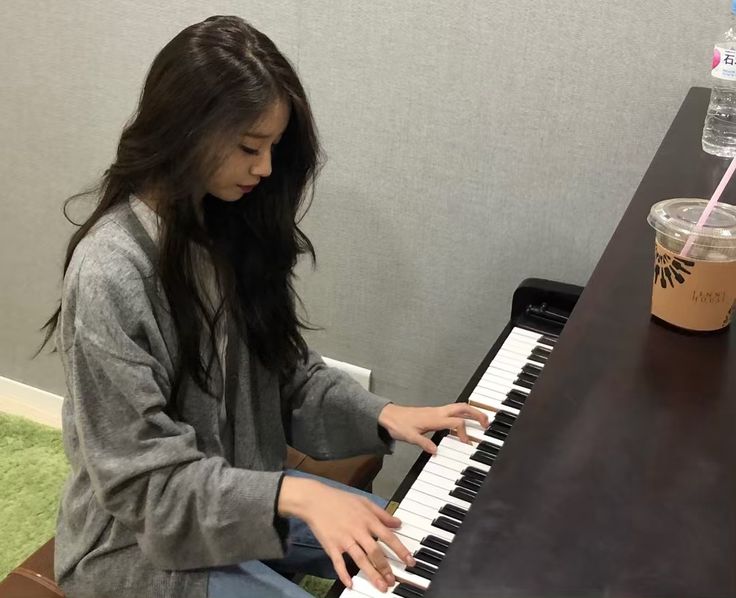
x=262, y=166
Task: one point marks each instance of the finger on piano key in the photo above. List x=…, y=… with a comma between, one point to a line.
x=480, y=437
x=480, y=400
x=453, y=444
x=419, y=575
x=363, y=589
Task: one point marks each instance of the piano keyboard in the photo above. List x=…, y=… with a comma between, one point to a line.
x=433, y=509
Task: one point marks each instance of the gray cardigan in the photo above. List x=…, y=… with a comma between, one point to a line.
x=154, y=499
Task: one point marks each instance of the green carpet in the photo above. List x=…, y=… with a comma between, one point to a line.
x=32, y=469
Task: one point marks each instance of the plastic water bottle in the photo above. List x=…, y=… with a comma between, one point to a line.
x=719, y=132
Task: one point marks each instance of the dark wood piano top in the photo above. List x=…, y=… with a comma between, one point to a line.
x=619, y=479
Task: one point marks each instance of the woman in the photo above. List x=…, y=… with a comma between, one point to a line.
x=186, y=369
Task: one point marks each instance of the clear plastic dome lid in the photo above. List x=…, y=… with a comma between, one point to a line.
x=677, y=218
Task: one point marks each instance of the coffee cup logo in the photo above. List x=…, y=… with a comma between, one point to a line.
x=671, y=270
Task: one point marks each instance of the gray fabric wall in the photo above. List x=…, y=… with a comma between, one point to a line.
x=470, y=144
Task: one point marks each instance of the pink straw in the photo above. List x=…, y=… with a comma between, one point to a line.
x=709, y=208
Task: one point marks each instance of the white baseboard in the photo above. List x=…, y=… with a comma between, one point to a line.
x=32, y=403
x=44, y=407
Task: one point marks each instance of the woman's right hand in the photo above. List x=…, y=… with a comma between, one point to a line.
x=345, y=523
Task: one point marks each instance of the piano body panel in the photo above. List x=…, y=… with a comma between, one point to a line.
x=620, y=477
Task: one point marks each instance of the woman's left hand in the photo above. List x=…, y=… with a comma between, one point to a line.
x=410, y=423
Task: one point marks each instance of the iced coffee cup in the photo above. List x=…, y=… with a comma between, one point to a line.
x=694, y=284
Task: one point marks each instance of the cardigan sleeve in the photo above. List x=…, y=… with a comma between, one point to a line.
x=330, y=415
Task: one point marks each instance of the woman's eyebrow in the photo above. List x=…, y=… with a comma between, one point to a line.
x=256, y=135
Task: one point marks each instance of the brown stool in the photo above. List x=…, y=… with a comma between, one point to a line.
x=34, y=578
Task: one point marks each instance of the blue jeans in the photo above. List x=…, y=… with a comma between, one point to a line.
x=265, y=579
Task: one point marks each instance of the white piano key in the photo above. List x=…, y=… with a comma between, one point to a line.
x=435, y=492
x=436, y=481
x=521, y=341
x=452, y=443
x=519, y=347
x=460, y=459
x=429, y=501
x=440, y=471
x=348, y=593
x=422, y=523
x=418, y=508
x=526, y=335
x=500, y=385
x=503, y=365
x=524, y=332
x=467, y=461
x=443, y=450
x=514, y=359
x=412, y=531
x=497, y=372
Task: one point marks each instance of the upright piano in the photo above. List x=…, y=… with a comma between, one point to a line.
x=609, y=467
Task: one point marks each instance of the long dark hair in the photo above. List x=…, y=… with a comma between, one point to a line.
x=208, y=83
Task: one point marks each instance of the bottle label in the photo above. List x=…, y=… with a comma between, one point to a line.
x=724, y=63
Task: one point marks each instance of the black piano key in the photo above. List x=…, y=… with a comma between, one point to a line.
x=524, y=383
x=502, y=417
x=509, y=402
x=482, y=457
x=537, y=358
x=517, y=395
x=408, y=591
x=542, y=352
x=435, y=543
x=548, y=340
x=528, y=377
x=497, y=432
x=531, y=370
x=454, y=511
x=446, y=524
x=429, y=556
x=489, y=447
x=474, y=472
x=468, y=483
x=500, y=426
x=422, y=570
x=463, y=494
